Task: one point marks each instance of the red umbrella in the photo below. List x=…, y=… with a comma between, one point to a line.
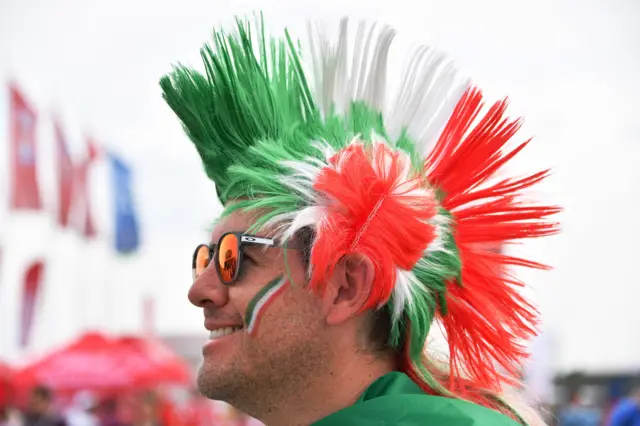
x=163, y=366
x=87, y=363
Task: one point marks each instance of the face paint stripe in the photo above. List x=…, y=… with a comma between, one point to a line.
x=259, y=295
x=260, y=313
x=263, y=302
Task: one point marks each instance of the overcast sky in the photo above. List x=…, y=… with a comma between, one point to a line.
x=571, y=67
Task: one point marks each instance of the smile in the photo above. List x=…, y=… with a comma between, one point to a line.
x=221, y=332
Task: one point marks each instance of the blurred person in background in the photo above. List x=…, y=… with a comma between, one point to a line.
x=627, y=411
x=83, y=410
x=9, y=416
x=148, y=412
x=355, y=225
x=169, y=414
x=189, y=415
x=108, y=413
x=200, y=411
x=40, y=410
x=580, y=412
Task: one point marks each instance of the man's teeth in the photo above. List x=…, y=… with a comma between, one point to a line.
x=220, y=332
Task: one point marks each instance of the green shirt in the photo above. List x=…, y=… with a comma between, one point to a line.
x=394, y=399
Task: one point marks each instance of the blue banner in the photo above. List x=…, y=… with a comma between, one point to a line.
x=127, y=238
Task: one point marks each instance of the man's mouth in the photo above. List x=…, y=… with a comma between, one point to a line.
x=221, y=332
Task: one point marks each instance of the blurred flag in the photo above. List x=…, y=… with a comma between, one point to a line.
x=126, y=223
x=30, y=292
x=25, y=193
x=81, y=192
x=66, y=174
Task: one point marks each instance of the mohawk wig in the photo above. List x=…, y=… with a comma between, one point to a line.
x=406, y=178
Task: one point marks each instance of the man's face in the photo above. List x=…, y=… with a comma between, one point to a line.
x=283, y=348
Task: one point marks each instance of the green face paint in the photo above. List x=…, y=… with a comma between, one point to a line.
x=262, y=300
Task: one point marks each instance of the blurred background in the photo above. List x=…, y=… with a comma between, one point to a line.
x=103, y=198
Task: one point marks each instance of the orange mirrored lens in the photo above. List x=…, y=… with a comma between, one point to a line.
x=228, y=257
x=201, y=260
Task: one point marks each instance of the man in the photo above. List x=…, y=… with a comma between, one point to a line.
x=627, y=411
x=357, y=224
x=40, y=411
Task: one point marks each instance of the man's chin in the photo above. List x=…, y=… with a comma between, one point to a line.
x=216, y=381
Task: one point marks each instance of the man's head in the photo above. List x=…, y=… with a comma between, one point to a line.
x=388, y=208
x=287, y=335
x=40, y=399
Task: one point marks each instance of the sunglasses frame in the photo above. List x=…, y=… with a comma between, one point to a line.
x=243, y=240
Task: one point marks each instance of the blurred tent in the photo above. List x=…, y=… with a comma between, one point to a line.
x=163, y=366
x=89, y=362
x=104, y=364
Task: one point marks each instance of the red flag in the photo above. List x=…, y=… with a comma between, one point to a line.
x=25, y=193
x=87, y=224
x=31, y=291
x=65, y=177
x=93, y=150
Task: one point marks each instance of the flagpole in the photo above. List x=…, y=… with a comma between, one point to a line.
x=111, y=268
x=90, y=241
x=69, y=256
x=112, y=264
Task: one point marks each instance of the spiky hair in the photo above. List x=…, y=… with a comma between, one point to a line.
x=404, y=177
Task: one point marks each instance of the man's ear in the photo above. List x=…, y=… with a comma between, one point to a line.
x=348, y=288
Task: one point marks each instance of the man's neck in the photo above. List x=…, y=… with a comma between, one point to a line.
x=328, y=393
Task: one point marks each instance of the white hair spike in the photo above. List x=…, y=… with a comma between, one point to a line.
x=430, y=86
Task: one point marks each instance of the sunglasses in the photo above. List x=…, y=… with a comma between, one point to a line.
x=227, y=255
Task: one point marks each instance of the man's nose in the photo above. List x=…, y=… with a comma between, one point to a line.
x=208, y=288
